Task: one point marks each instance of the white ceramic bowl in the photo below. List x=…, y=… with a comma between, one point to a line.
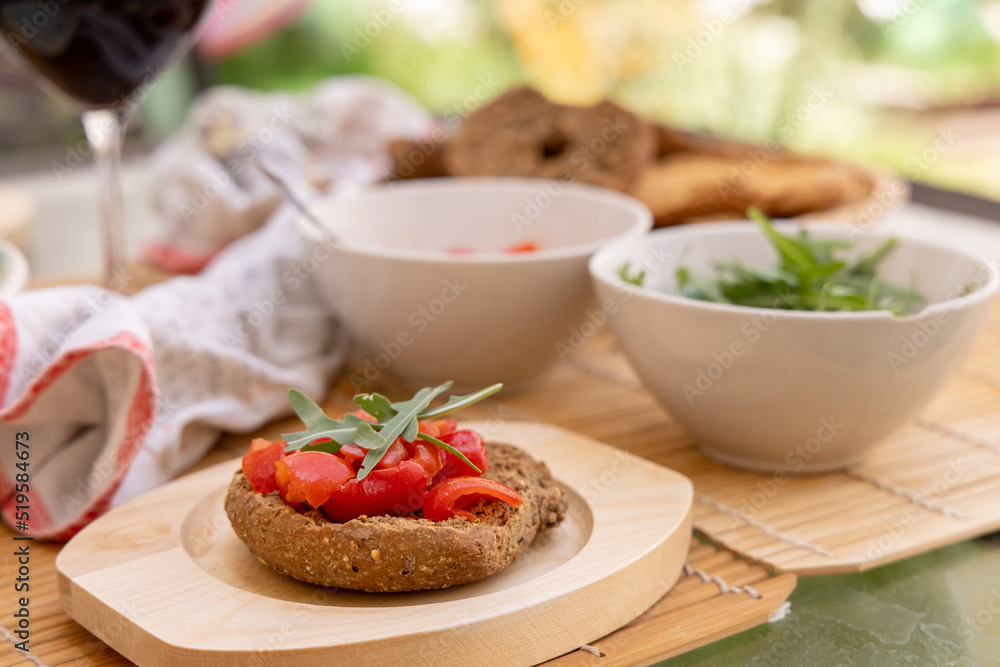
x=488, y=316
x=13, y=270
x=789, y=390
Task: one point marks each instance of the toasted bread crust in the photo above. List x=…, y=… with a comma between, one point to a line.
x=393, y=554
x=685, y=185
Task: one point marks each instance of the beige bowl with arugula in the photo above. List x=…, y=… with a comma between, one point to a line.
x=797, y=391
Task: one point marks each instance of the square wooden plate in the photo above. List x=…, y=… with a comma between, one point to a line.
x=165, y=581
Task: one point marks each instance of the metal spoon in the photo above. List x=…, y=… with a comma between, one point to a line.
x=288, y=194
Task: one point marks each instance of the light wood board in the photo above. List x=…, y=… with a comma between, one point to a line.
x=165, y=581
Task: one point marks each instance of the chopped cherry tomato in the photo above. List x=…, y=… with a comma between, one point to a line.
x=429, y=457
x=452, y=496
x=310, y=477
x=430, y=428
x=352, y=454
x=471, y=445
x=258, y=464
x=445, y=426
x=396, y=491
x=360, y=412
x=524, y=246
x=395, y=455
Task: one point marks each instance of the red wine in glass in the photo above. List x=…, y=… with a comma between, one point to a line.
x=104, y=54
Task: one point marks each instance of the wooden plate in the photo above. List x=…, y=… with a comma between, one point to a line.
x=165, y=581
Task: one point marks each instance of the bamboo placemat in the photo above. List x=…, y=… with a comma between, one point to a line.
x=718, y=596
x=935, y=482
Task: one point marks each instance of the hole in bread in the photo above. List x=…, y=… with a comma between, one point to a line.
x=404, y=572
x=554, y=146
x=354, y=568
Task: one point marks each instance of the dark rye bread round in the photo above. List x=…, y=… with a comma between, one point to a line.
x=392, y=554
x=520, y=133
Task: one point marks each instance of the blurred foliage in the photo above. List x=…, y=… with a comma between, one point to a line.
x=862, y=80
x=876, y=81
x=437, y=52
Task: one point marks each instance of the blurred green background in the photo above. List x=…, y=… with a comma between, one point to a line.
x=909, y=85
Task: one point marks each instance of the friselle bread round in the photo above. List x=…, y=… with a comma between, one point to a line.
x=394, y=554
x=521, y=133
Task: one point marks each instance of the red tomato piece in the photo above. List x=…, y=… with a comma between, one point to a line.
x=452, y=496
x=352, y=455
x=471, y=445
x=429, y=428
x=364, y=415
x=310, y=477
x=396, y=491
x=395, y=455
x=429, y=457
x=258, y=464
x=445, y=426
x=523, y=246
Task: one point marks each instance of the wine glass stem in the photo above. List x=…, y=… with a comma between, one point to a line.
x=104, y=128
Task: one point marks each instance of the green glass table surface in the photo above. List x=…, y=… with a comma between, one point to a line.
x=939, y=608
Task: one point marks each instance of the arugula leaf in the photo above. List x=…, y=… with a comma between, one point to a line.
x=377, y=405
x=394, y=420
x=809, y=276
x=403, y=423
x=458, y=402
x=448, y=448
x=308, y=411
x=368, y=438
x=793, y=253
x=319, y=426
x=636, y=279
x=867, y=263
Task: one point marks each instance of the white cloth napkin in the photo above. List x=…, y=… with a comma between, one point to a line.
x=207, y=188
x=119, y=395
x=112, y=396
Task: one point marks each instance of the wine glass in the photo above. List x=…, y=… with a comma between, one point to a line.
x=105, y=54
